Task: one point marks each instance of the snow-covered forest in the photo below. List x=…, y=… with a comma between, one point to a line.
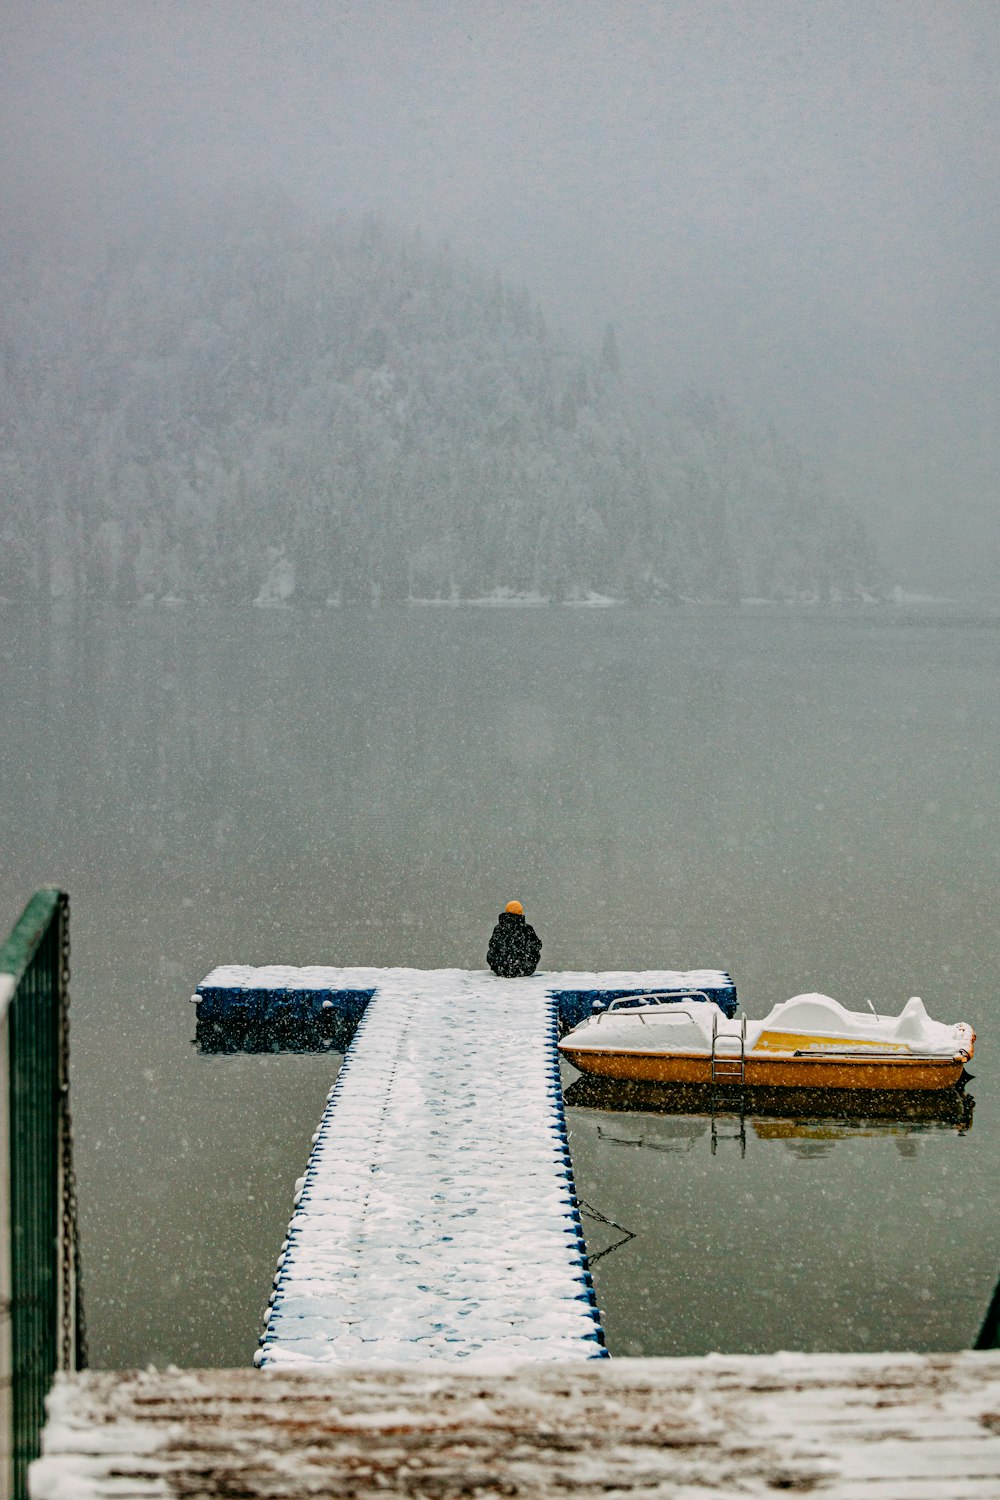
x=259, y=408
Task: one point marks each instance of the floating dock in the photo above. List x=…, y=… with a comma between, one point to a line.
x=235, y=995
x=436, y=1218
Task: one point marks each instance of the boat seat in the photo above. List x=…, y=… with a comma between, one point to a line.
x=912, y=1024
x=811, y=1013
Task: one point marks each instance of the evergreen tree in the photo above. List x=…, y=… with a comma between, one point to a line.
x=242, y=407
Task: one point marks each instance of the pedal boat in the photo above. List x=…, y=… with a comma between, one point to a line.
x=810, y=1041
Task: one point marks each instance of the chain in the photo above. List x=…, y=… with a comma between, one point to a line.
x=590, y=1212
x=74, y=1336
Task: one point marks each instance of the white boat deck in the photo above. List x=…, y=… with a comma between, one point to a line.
x=436, y=1218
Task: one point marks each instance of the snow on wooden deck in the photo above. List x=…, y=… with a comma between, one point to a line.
x=841, y=1427
x=436, y=1218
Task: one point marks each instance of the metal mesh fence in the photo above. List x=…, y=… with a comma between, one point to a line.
x=40, y=1253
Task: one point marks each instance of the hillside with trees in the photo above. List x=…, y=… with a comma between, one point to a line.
x=260, y=408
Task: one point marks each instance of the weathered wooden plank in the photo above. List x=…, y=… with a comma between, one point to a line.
x=845, y=1427
x=895, y=1488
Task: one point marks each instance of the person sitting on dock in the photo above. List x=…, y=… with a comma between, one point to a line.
x=515, y=947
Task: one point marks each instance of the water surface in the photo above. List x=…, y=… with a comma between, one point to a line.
x=805, y=797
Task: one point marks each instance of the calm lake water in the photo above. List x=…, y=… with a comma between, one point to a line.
x=807, y=798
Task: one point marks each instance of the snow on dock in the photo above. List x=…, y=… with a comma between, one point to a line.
x=436, y=1217
x=843, y=1426
x=237, y=993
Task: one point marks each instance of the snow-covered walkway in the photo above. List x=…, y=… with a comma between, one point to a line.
x=436, y=1218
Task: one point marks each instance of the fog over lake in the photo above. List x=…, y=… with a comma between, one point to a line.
x=600, y=404
x=793, y=205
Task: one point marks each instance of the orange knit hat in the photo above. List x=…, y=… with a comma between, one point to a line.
x=515, y=908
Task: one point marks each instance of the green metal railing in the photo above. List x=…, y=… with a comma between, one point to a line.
x=40, y=1331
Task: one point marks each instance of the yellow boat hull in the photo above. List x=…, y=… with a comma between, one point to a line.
x=772, y=1070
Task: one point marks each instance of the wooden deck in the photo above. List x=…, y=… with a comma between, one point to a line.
x=843, y=1426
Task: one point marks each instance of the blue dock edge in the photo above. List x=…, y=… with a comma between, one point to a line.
x=253, y=1006
x=586, y=1280
x=226, y=1003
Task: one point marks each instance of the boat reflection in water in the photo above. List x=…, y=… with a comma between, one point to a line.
x=673, y=1117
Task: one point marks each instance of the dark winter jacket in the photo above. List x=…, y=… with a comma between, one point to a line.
x=515, y=948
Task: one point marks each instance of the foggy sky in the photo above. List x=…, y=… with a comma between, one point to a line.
x=794, y=203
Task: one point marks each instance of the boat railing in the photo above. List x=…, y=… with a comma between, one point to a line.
x=634, y=1004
